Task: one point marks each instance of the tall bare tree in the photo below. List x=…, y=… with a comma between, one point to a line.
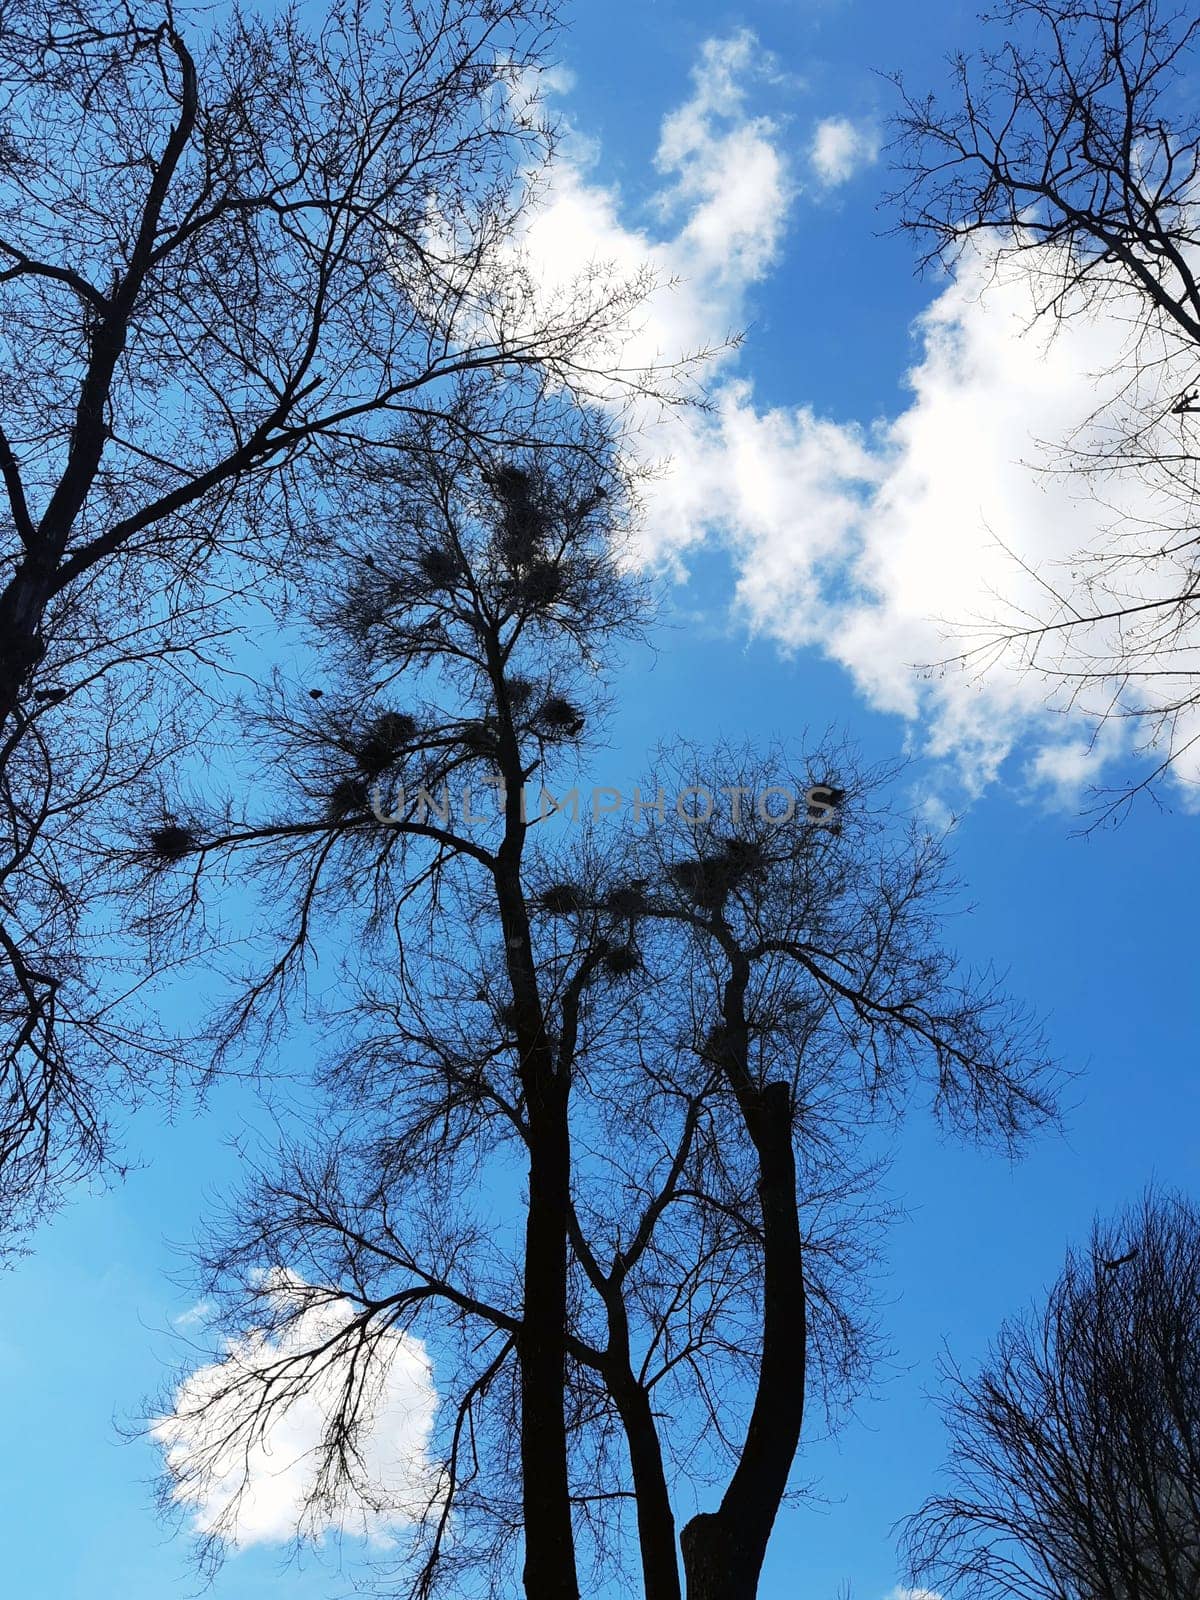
x=478, y=595
x=676, y=1035
x=1075, y=1449
x=1072, y=146
x=232, y=252
x=826, y=1002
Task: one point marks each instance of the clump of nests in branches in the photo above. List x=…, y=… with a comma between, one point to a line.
x=523, y=522
x=710, y=881
x=386, y=739
x=744, y=858
x=520, y=692
x=172, y=842
x=543, y=584
x=441, y=568
x=833, y=797
x=626, y=900
x=559, y=718
x=348, y=797
x=478, y=738
x=562, y=899
x=622, y=961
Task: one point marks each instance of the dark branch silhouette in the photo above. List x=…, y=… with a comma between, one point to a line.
x=1071, y=148
x=234, y=255
x=677, y=1034
x=1075, y=1449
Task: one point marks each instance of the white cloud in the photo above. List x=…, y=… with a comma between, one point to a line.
x=1067, y=770
x=719, y=79
x=254, y=1487
x=720, y=220
x=728, y=175
x=901, y=1593
x=721, y=214
x=194, y=1315
x=782, y=487
x=882, y=543
x=957, y=516
x=840, y=149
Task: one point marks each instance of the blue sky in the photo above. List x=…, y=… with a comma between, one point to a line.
x=766, y=632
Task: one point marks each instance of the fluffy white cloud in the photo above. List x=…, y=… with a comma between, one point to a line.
x=728, y=177
x=721, y=212
x=720, y=220
x=957, y=516
x=249, y=1485
x=781, y=486
x=1067, y=769
x=841, y=148
x=901, y=1593
x=885, y=544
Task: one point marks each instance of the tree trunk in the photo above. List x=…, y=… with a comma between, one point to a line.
x=655, y=1519
x=549, y=1572
x=21, y=648
x=718, y=1563
x=723, y=1551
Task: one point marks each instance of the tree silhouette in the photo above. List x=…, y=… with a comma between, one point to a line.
x=1075, y=1449
x=674, y=1033
x=233, y=253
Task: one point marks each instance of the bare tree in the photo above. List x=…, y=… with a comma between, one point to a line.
x=232, y=254
x=1075, y=1449
x=822, y=1000
x=679, y=1036
x=1073, y=147
x=486, y=609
